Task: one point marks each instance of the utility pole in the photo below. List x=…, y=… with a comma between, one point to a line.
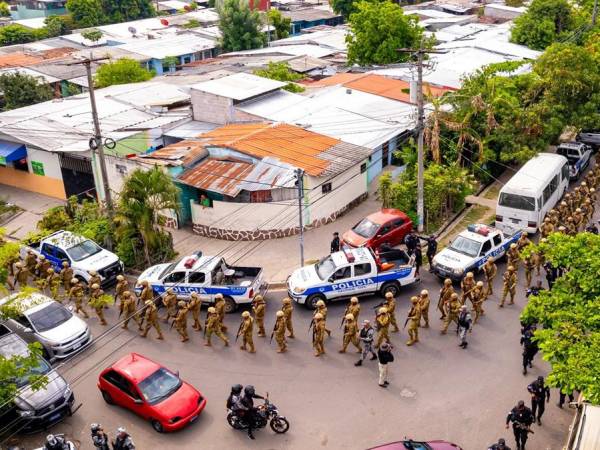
x=419, y=52
x=300, y=184
x=99, y=146
x=268, y=23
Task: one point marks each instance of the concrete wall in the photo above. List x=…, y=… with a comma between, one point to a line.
x=49, y=160
x=211, y=108
x=51, y=187
x=118, y=169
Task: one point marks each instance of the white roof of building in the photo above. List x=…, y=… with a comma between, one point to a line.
x=163, y=47
x=190, y=130
x=239, y=86
x=333, y=38
x=77, y=38
x=173, y=4
x=33, y=73
x=294, y=50
x=142, y=26
x=520, y=9
x=33, y=24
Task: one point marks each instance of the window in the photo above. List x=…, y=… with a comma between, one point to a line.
x=160, y=385
x=517, y=201
x=175, y=277
x=362, y=269
x=565, y=171
x=260, y=196
x=547, y=193
x=48, y=249
x=326, y=188
x=487, y=246
x=115, y=379
x=497, y=240
x=363, y=167
x=22, y=320
x=197, y=277
x=385, y=229
x=397, y=223
x=342, y=273
x=554, y=183
x=61, y=254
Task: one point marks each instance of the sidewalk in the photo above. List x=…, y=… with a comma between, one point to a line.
x=34, y=206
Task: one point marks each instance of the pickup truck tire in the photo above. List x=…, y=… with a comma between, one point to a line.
x=390, y=286
x=107, y=398
x=230, y=305
x=311, y=301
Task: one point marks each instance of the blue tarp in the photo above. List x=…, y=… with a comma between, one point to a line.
x=11, y=151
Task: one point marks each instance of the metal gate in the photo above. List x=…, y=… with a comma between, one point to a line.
x=77, y=176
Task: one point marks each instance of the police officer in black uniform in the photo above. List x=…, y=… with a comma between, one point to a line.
x=123, y=440
x=335, y=243
x=500, y=445
x=99, y=437
x=535, y=290
x=540, y=393
x=530, y=347
x=411, y=240
x=521, y=418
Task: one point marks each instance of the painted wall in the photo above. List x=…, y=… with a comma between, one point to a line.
x=374, y=165
x=51, y=187
x=50, y=162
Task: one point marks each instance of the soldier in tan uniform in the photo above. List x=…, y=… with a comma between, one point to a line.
x=169, y=301
x=213, y=325
x=151, y=319
x=350, y=334
x=288, y=309
x=570, y=227
x=146, y=294
x=563, y=211
x=279, y=332
x=554, y=217
x=478, y=299
x=513, y=256
x=578, y=219
x=246, y=328
x=76, y=294
x=509, y=285
x=22, y=274
x=353, y=308
x=180, y=321
x=122, y=286
x=66, y=274
x=424, y=307
x=490, y=269
x=41, y=268
x=42, y=277
x=413, y=318
x=523, y=241
x=529, y=264
x=453, y=307
x=390, y=305
x=258, y=308
x=30, y=261
x=53, y=282
x=467, y=285
x=95, y=294
x=445, y=292
x=322, y=309
x=94, y=278
x=318, y=334
x=382, y=321
x=127, y=309
x=220, y=308
x=194, y=307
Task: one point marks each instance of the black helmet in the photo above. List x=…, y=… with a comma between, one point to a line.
x=249, y=390
x=236, y=389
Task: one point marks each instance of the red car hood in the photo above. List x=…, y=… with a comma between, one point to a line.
x=182, y=403
x=353, y=239
x=442, y=445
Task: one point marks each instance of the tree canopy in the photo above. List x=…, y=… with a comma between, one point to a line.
x=92, y=34
x=90, y=13
x=569, y=314
x=58, y=25
x=23, y=90
x=281, y=23
x=377, y=30
x=122, y=71
x=86, y=13
x=344, y=7
x=281, y=71
x=16, y=34
x=240, y=26
x=4, y=9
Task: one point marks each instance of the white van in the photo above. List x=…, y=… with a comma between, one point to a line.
x=533, y=191
x=584, y=432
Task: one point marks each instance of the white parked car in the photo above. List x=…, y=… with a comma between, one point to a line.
x=50, y=323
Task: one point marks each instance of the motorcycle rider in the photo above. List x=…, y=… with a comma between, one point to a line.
x=233, y=401
x=99, y=437
x=250, y=412
x=123, y=440
x=55, y=443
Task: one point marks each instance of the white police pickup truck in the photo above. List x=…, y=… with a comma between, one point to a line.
x=471, y=249
x=82, y=254
x=207, y=276
x=578, y=154
x=352, y=272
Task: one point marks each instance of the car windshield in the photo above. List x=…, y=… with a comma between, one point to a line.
x=169, y=268
x=325, y=267
x=517, y=201
x=160, y=385
x=41, y=368
x=366, y=228
x=49, y=317
x=83, y=250
x=466, y=246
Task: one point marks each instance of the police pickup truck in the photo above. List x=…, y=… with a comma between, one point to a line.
x=207, y=276
x=578, y=154
x=352, y=272
x=471, y=249
x=82, y=254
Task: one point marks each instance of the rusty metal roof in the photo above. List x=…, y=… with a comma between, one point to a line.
x=18, y=60
x=181, y=153
x=222, y=176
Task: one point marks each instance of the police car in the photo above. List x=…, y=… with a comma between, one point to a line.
x=207, y=276
x=471, y=249
x=578, y=154
x=352, y=272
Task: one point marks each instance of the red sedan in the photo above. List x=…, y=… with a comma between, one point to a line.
x=416, y=445
x=388, y=226
x=152, y=392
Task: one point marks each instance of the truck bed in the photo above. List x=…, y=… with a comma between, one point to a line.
x=243, y=276
x=395, y=256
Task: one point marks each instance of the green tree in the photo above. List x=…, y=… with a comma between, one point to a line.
x=4, y=9
x=281, y=23
x=143, y=196
x=281, y=71
x=86, y=13
x=23, y=90
x=344, y=7
x=377, y=30
x=240, y=26
x=92, y=34
x=16, y=34
x=125, y=10
x=570, y=314
x=544, y=22
x=122, y=71
x=58, y=25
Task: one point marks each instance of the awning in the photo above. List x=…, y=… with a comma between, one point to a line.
x=11, y=151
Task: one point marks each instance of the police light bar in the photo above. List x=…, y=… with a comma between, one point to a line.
x=189, y=263
x=349, y=255
x=479, y=229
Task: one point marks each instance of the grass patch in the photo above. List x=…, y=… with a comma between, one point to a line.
x=476, y=214
x=8, y=207
x=492, y=192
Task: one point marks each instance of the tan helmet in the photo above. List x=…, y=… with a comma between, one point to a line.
x=569, y=219
x=524, y=234
x=320, y=303
x=389, y=295
x=414, y=300
x=50, y=270
x=318, y=316
x=193, y=294
x=349, y=317
x=65, y=264
x=219, y=296
x=287, y=301
x=490, y=259
x=354, y=300
x=454, y=296
x=19, y=264
x=553, y=211
x=469, y=274
x=170, y=291
x=42, y=257
x=577, y=189
x=480, y=284
x=563, y=203
x=544, y=241
x=513, y=245
x=588, y=201
x=561, y=228
x=145, y=283
x=245, y=314
x=126, y=294
x=211, y=310
x=94, y=273
x=382, y=310
x=149, y=303
x=120, y=277
x=447, y=281
x=30, y=251
x=95, y=286
x=584, y=183
x=546, y=219
x=424, y=292
x=74, y=280
x=279, y=314
x=578, y=210
x=592, y=190
x=181, y=304
x=511, y=268
x=258, y=298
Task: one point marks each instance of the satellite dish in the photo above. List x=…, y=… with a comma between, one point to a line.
x=132, y=30
x=164, y=22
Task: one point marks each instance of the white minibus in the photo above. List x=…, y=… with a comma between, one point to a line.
x=533, y=191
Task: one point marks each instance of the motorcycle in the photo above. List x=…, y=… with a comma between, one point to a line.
x=266, y=413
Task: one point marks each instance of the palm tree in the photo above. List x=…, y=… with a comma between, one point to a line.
x=144, y=195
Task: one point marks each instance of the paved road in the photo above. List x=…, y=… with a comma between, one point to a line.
x=437, y=391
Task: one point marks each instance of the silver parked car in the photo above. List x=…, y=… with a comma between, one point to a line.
x=48, y=322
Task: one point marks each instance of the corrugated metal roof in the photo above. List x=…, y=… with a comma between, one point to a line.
x=222, y=176
x=18, y=60
x=181, y=153
x=177, y=45
x=239, y=86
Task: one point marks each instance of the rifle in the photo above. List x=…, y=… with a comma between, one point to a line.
x=344, y=317
x=310, y=325
x=272, y=333
x=172, y=323
x=205, y=324
x=406, y=322
x=380, y=305
x=238, y=331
